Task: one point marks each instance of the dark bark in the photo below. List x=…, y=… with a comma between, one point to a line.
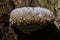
x=50, y=32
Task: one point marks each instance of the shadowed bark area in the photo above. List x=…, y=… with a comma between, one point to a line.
x=49, y=33
x=7, y=33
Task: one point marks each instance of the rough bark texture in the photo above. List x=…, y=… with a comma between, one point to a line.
x=6, y=7
x=7, y=34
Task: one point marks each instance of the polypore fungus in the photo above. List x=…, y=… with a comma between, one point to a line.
x=29, y=15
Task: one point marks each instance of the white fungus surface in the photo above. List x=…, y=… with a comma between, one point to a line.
x=30, y=14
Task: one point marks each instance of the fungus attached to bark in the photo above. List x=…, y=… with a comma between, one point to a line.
x=31, y=18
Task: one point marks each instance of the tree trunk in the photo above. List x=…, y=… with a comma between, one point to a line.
x=6, y=6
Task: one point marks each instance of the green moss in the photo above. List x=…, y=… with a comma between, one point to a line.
x=58, y=14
